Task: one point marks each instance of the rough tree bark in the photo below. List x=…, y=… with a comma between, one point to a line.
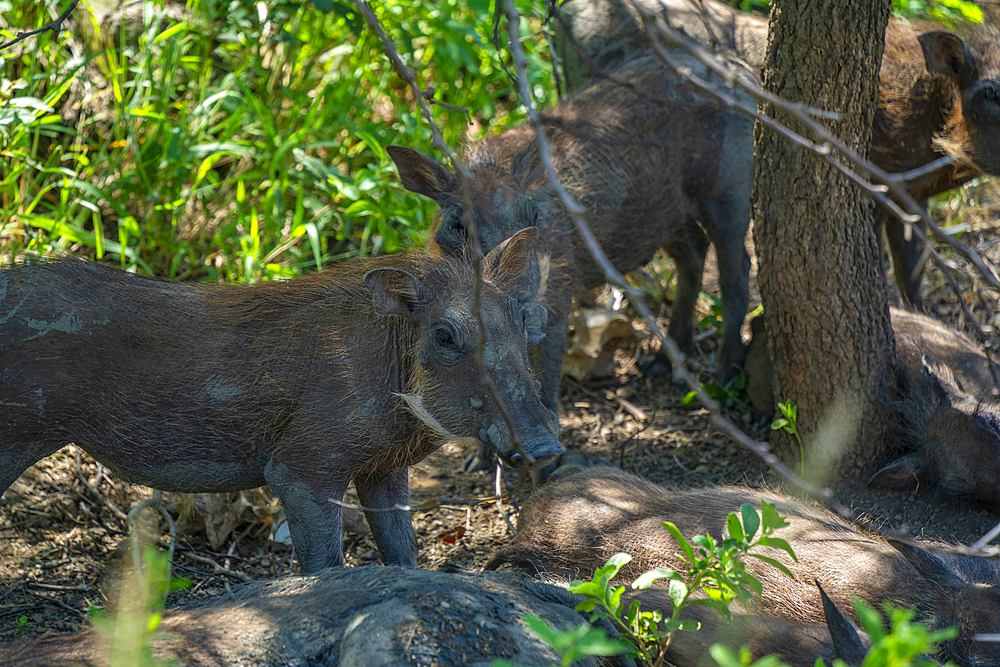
x=821, y=281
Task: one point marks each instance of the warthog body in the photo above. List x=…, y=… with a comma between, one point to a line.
x=352, y=373
x=648, y=164
x=573, y=525
x=948, y=433
x=938, y=94
x=350, y=617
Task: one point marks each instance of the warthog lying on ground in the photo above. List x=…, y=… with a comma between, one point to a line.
x=649, y=159
x=948, y=432
x=352, y=373
x=351, y=617
x=938, y=94
x=573, y=525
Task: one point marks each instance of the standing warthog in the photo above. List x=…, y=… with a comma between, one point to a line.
x=948, y=430
x=573, y=525
x=352, y=373
x=649, y=159
x=938, y=94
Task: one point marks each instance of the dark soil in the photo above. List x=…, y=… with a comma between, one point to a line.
x=62, y=547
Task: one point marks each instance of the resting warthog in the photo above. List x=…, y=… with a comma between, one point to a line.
x=646, y=163
x=573, y=525
x=938, y=94
x=948, y=432
x=352, y=373
x=348, y=617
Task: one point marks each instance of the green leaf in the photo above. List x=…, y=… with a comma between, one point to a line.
x=678, y=593
x=870, y=620
x=734, y=527
x=720, y=607
x=596, y=642
x=587, y=588
x=773, y=563
x=689, y=626
x=633, y=612
x=779, y=424
x=751, y=520
x=541, y=628
x=681, y=540
x=778, y=543
x=646, y=579
x=770, y=517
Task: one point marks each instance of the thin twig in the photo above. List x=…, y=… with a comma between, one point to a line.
x=97, y=494
x=54, y=26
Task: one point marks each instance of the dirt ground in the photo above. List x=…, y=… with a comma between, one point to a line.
x=63, y=537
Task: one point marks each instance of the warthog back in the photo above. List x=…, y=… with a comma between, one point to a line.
x=654, y=162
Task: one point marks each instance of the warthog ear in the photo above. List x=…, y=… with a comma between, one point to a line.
x=847, y=644
x=945, y=53
x=930, y=567
x=507, y=261
x=419, y=173
x=901, y=475
x=396, y=292
x=946, y=386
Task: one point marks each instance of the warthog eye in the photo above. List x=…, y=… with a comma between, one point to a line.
x=985, y=92
x=444, y=338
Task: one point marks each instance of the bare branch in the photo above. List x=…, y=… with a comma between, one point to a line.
x=55, y=26
x=464, y=176
x=613, y=276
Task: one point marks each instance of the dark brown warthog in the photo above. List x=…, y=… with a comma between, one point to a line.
x=349, y=617
x=573, y=525
x=646, y=165
x=938, y=94
x=352, y=373
x=948, y=432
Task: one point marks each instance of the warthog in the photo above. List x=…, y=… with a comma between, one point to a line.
x=573, y=525
x=356, y=617
x=352, y=373
x=948, y=431
x=938, y=94
x=649, y=159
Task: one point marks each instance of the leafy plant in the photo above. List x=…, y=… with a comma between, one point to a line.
x=905, y=643
x=238, y=141
x=729, y=395
x=140, y=611
x=572, y=644
x=22, y=624
x=946, y=11
x=788, y=422
x=713, y=568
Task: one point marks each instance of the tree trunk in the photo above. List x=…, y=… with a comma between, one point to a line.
x=821, y=278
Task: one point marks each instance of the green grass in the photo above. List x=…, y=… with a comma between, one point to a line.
x=225, y=147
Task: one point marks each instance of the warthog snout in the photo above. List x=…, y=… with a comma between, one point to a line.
x=540, y=445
